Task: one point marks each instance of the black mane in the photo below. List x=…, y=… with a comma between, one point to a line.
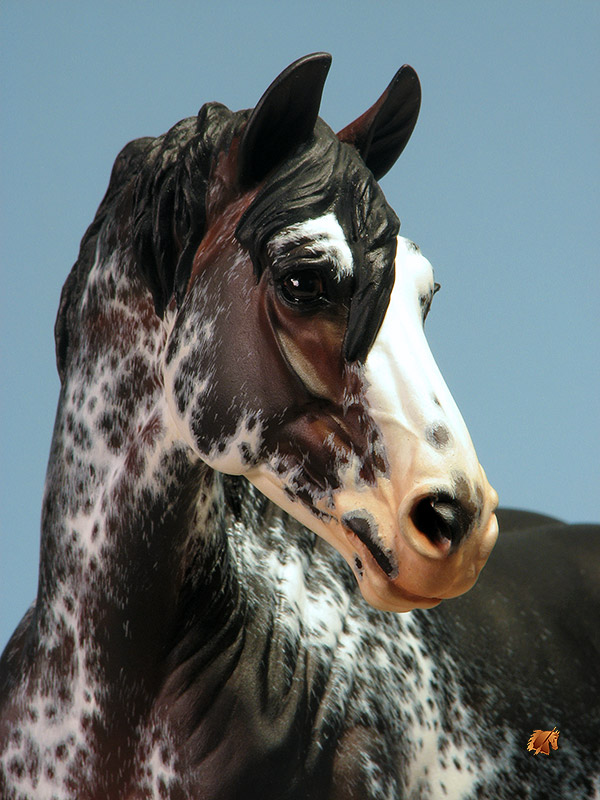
x=169, y=213
x=327, y=175
x=155, y=205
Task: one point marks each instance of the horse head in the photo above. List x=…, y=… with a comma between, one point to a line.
x=294, y=347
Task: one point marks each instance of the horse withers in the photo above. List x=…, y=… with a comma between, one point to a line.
x=245, y=382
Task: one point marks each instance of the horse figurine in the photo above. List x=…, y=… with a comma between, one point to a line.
x=255, y=461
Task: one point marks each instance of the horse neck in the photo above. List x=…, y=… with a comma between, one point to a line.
x=126, y=505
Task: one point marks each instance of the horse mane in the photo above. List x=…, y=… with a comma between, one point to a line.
x=169, y=202
x=155, y=209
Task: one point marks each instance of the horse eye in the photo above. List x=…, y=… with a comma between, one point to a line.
x=426, y=301
x=304, y=286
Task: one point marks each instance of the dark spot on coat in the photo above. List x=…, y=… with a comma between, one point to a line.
x=16, y=767
x=438, y=435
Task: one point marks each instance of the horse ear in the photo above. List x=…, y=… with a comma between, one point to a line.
x=283, y=119
x=382, y=132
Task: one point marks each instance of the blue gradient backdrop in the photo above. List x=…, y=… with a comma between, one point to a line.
x=499, y=187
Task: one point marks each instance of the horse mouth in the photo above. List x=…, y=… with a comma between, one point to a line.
x=364, y=527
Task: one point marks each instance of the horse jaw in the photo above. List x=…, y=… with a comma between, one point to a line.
x=356, y=456
x=427, y=450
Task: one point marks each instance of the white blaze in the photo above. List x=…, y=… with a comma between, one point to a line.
x=406, y=392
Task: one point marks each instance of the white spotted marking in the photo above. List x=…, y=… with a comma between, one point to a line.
x=326, y=237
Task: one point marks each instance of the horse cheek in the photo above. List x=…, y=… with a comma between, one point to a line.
x=312, y=349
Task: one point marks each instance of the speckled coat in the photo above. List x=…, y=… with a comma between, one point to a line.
x=191, y=639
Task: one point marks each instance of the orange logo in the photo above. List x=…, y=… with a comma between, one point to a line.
x=540, y=741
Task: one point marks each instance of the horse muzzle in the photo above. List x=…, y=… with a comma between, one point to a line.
x=431, y=549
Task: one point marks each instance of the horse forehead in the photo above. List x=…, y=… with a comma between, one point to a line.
x=324, y=234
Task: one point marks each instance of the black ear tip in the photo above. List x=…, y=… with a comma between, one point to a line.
x=314, y=65
x=317, y=59
x=408, y=71
x=407, y=80
x=284, y=117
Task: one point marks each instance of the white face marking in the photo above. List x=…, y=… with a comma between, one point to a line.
x=427, y=450
x=327, y=236
x=404, y=379
x=408, y=399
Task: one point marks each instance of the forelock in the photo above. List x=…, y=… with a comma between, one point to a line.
x=303, y=187
x=327, y=176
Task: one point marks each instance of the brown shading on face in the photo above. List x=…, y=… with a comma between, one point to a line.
x=270, y=366
x=255, y=377
x=276, y=366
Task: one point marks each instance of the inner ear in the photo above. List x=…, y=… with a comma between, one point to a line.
x=382, y=132
x=283, y=119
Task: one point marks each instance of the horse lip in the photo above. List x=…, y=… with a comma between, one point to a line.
x=364, y=527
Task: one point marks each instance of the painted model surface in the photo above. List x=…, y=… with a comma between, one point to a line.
x=256, y=460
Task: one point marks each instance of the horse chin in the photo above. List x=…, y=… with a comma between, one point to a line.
x=423, y=581
x=394, y=598
x=392, y=574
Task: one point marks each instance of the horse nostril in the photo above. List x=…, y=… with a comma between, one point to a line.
x=442, y=519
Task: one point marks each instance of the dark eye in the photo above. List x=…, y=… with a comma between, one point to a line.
x=426, y=301
x=303, y=287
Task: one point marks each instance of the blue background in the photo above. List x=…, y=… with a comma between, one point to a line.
x=499, y=187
